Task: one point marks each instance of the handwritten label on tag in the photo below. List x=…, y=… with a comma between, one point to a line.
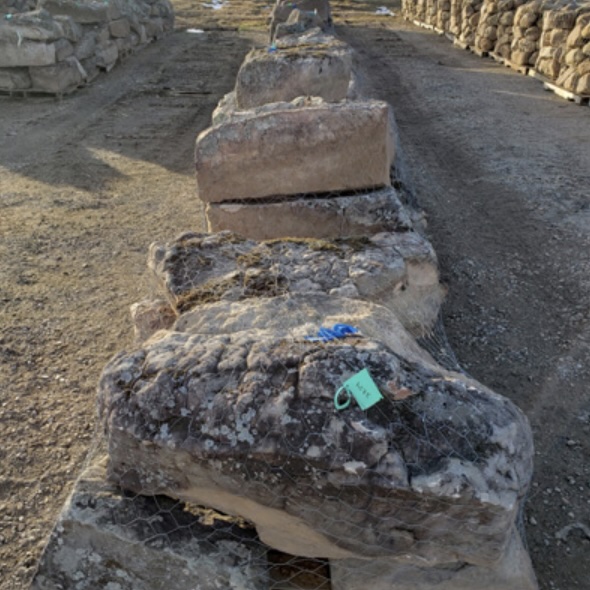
x=360, y=386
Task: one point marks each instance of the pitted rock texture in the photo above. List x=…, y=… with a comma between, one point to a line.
x=245, y=423
x=397, y=270
x=286, y=73
x=283, y=8
x=106, y=539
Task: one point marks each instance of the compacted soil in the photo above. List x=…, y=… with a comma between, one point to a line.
x=501, y=168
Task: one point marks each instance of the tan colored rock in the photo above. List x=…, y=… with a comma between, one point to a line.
x=586, y=50
x=568, y=79
x=285, y=74
x=149, y=316
x=512, y=572
x=584, y=68
x=330, y=217
x=576, y=38
x=28, y=53
x=574, y=57
x=105, y=539
x=558, y=37
x=290, y=151
x=59, y=78
x=559, y=19
x=283, y=8
x=89, y=12
x=63, y=49
x=583, y=84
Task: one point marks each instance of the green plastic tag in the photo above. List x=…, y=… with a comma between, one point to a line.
x=362, y=387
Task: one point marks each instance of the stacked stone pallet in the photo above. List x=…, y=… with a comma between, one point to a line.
x=564, y=55
x=551, y=37
x=227, y=400
x=443, y=16
x=64, y=44
x=456, y=17
x=494, y=31
x=470, y=14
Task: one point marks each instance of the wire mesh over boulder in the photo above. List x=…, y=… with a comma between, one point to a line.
x=245, y=422
x=397, y=270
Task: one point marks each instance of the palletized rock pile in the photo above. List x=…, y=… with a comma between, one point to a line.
x=470, y=14
x=230, y=402
x=564, y=55
x=549, y=36
x=64, y=44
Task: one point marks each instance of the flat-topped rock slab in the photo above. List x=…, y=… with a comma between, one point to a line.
x=295, y=150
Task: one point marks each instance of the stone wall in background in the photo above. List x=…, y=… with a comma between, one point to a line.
x=62, y=45
x=549, y=39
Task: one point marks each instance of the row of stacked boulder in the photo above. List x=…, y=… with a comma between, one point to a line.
x=548, y=37
x=276, y=407
x=62, y=45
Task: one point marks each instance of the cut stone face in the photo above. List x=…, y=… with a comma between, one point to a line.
x=329, y=217
x=105, y=538
x=396, y=270
x=289, y=151
x=245, y=422
x=285, y=74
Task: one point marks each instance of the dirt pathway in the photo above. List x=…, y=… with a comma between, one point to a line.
x=87, y=183
x=503, y=169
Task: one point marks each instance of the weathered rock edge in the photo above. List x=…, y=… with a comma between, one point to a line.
x=105, y=538
x=397, y=270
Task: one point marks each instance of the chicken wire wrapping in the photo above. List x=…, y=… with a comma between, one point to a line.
x=229, y=464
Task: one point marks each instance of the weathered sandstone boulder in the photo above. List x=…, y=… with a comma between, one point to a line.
x=397, y=270
x=283, y=9
x=245, y=422
x=285, y=74
x=337, y=216
x=290, y=151
x=149, y=316
x=106, y=539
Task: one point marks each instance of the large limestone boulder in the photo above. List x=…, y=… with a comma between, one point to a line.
x=105, y=538
x=363, y=214
x=396, y=270
x=283, y=8
x=285, y=74
x=282, y=150
x=244, y=421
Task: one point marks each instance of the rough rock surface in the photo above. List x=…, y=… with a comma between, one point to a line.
x=107, y=539
x=245, y=422
x=283, y=9
x=289, y=151
x=333, y=216
x=285, y=74
x=397, y=270
x=513, y=572
x=149, y=316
